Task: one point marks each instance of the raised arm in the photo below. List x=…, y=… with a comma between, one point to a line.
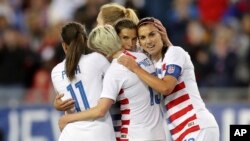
x=165, y=86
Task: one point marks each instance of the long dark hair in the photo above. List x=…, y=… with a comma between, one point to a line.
x=74, y=35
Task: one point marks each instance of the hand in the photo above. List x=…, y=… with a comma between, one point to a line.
x=63, y=121
x=128, y=62
x=163, y=32
x=63, y=105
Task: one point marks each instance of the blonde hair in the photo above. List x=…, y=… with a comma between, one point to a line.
x=111, y=12
x=104, y=39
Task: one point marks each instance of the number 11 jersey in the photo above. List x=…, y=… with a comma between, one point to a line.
x=85, y=89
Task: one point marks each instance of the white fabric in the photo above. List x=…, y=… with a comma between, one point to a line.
x=188, y=95
x=89, y=76
x=206, y=134
x=145, y=120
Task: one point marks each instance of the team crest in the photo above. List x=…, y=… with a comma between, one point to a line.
x=171, y=69
x=123, y=136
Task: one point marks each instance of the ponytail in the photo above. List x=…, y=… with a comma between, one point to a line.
x=75, y=36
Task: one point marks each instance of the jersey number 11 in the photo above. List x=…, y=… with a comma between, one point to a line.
x=80, y=87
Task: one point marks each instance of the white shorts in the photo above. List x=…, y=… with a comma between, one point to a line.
x=206, y=134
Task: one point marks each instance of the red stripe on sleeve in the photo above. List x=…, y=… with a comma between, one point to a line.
x=178, y=87
x=124, y=130
x=182, y=125
x=128, y=54
x=189, y=130
x=124, y=101
x=163, y=67
x=177, y=101
x=126, y=111
x=180, y=113
x=125, y=122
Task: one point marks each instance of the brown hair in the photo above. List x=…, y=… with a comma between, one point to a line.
x=75, y=36
x=157, y=23
x=124, y=23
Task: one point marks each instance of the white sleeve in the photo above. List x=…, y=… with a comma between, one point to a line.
x=102, y=62
x=175, y=56
x=112, y=84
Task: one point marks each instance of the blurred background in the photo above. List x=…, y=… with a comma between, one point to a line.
x=216, y=33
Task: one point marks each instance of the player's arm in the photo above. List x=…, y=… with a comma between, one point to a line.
x=165, y=86
x=94, y=113
x=65, y=105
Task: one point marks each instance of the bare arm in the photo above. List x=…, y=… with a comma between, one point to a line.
x=165, y=86
x=94, y=113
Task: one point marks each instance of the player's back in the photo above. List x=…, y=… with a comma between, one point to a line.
x=141, y=118
x=85, y=89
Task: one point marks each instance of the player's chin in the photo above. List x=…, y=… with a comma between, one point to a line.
x=128, y=48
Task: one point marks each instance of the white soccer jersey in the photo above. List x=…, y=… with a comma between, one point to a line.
x=185, y=111
x=141, y=119
x=85, y=89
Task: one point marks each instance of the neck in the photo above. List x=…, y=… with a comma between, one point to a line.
x=156, y=57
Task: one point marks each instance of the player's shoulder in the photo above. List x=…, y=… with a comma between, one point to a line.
x=96, y=58
x=136, y=55
x=58, y=67
x=176, y=50
x=95, y=55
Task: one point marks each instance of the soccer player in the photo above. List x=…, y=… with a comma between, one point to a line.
x=187, y=117
x=80, y=77
x=127, y=31
x=109, y=13
x=141, y=118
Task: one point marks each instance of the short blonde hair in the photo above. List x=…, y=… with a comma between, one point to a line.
x=111, y=12
x=104, y=39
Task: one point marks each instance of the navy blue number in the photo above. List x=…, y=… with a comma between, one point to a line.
x=79, y=86
x=190, y=139
x=153, y=97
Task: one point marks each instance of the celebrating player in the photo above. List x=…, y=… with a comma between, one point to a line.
x=141, y=117
x=127, y=31
x=185, y=112
x=109, y=13
x=79, y=78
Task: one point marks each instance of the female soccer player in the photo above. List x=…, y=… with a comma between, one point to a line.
x=109, y=13
x=127, y=31
x=141, y=118
x=187, y=117
x=79, y=78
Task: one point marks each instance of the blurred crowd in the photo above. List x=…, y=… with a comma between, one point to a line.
x=216, y=33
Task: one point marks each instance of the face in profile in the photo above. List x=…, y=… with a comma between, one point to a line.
x=128, y=38
x=150, y=39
